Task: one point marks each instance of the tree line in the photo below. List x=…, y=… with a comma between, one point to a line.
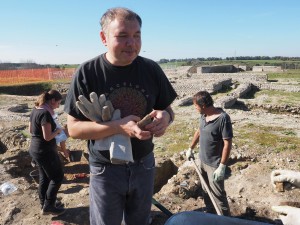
x=27, y=65
x=33, y=65
x=186, y=61
x=208, y=59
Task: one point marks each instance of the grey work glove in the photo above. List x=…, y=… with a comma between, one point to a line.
x=120, y=149
x=290, y=215
x=285, y=176
x=92, y=109
x=95, y=110
x=101, y=110
x=219, y=173
x=189, y=154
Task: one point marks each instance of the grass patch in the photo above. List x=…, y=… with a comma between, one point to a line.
x=279, y=97
x=289, y=133
x=25, y=133
x=261, y=137
x=176, y=139
x=289, y=74
x=171, y=65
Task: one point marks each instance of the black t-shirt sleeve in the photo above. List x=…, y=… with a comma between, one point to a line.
x=167, y=92
x=77, y=87
x=227, y=132
x=87, y=78
x=39, y=118
x=46, y=118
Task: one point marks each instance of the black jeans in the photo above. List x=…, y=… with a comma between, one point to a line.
x=50, y=177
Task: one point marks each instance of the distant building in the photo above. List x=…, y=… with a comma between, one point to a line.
x=266, y=69
x=218, y=69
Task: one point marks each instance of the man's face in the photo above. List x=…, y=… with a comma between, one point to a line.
x=198, y=108
x=123, y=41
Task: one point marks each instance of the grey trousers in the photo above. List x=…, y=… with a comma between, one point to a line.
x=117, y=189
x=217, y=190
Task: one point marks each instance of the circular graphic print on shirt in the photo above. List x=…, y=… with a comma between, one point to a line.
x=130, y=101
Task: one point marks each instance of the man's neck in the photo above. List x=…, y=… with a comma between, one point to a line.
x=212, y=113
x=211, y=110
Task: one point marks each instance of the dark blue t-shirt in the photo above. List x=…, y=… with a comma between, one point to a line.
x=135, y=89
x=212, y=134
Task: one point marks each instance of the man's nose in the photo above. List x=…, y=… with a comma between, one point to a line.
x=130, y=41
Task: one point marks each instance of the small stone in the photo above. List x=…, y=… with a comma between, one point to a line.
x=279, y=186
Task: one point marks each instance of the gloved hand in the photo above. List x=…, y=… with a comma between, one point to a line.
x=291, y=214
x=189, y=154
x=101, y=110
x=285, y=176
x=219, y=173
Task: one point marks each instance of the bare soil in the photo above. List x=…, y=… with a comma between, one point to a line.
x=247, y=184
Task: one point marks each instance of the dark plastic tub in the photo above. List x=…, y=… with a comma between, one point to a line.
x=75, y=155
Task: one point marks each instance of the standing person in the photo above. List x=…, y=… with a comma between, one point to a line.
x=43, y=150
x=215, y=136
x=136, y=86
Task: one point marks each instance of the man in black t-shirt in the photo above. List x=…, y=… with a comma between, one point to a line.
x=137, y=86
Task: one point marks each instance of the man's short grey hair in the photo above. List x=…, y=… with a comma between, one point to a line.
x=120, y=13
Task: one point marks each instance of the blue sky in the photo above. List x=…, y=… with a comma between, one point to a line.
x=67, y=31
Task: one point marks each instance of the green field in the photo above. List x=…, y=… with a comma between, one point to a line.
x=289, y=74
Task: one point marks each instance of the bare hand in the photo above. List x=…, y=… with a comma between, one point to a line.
x=67, y=153
x=131, y=128
x=159, y=124
x=58, y=131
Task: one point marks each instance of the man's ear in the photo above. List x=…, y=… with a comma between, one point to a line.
x=103, y=37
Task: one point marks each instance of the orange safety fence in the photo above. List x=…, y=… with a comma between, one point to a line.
x=34, y=75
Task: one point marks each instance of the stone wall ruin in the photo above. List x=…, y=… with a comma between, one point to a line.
x=187, y=83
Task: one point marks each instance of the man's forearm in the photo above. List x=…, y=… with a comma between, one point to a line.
x=90, y=130
x=195, y=139
x=226, y=151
